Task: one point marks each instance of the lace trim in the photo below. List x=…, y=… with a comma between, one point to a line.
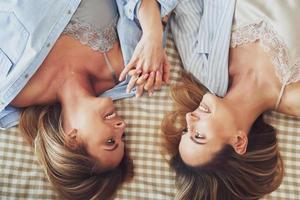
x=98, y=39
x=287, y=70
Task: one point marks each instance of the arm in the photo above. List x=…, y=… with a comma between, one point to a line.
x=149, y=56
x=149, y=18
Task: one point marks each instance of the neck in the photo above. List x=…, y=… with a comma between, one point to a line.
x=74, y=88
x=248, y=91
x=72, y=92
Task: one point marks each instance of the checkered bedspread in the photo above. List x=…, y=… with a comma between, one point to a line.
x=22, y=178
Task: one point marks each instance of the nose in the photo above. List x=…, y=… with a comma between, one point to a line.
x=119, y=124
x=189, y=120
x=191, y=117
x=107, y=101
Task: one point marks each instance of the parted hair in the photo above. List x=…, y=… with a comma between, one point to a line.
x=71, y=171
x=228, y=176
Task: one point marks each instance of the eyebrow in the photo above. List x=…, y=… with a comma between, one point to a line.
x=116, y=146
x=195, y=141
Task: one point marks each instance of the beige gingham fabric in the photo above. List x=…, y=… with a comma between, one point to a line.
x=22, y=178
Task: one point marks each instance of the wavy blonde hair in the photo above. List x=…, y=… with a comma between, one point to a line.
x=228, y=176
x=71, y=171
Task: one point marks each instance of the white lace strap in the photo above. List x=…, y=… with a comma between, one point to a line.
x=111, y=69
x=280, y=96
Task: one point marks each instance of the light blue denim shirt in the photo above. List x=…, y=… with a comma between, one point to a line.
x=29, y=30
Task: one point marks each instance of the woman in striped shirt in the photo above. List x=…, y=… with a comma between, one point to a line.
x=246, y=53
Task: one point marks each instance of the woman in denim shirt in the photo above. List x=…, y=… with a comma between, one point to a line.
x=56, y=58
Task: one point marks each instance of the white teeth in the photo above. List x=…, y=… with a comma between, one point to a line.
x=110, y=115
x=204, y=108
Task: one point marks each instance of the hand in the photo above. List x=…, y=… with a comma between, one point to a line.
x=147, y=57
x=152, y=81
x=146, y=82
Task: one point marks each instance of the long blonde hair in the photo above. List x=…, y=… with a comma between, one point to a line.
x=71, y=171
x=228, y=175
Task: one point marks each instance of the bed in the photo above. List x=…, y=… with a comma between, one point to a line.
x=21, y=177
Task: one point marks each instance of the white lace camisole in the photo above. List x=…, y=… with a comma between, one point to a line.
x=275, y=24
x=94, y=24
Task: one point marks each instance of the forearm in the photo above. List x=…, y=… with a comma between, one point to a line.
x=150, y=19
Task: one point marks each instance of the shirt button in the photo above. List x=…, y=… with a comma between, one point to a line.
x=48, y=45
x=130, y=10
x=26, y=75
x=69, y=12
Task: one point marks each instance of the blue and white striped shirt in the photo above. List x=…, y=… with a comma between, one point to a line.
x=201, y=30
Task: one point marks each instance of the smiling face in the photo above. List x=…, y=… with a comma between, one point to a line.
x=100, y=130
x=209, y=128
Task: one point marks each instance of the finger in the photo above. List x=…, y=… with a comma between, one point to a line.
x=150, y=92
x=134, y=72
x=166, y=71
x=142, y=79
x=127, y=68
x=150, y=81
x=140, y=65
x=158, y=80
x=131, y=83
x=139, y=90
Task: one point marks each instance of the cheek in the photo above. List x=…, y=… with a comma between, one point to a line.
x=223, y=123
x=94, y=124
x=228, y=116
x=183, y=143
x=215, y=131
x=115, y=159
x=221, y=133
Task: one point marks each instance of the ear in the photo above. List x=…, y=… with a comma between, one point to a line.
x=71, y=138
x=240, y=142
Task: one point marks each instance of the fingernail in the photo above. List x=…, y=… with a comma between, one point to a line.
x=146, y=76
x=139, y=71
x=152, y=74
x=157, y=73
x=150, y=94
x=123, y=77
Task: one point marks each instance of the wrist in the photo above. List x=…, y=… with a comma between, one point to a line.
x=149, y=17
x=153, y=35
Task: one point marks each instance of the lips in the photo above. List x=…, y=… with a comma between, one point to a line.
x=110, y=115
x=204, y=108
x=202, y=112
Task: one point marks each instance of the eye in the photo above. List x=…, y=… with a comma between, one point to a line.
x=199, y=135
x=110, y=142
